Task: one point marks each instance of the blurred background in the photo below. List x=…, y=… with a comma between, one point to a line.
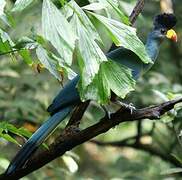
x=136, y=151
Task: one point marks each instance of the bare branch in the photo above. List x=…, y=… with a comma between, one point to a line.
x=69, y=142
x=139, y=146
x=136, y=11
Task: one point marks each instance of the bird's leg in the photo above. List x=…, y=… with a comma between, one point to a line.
x=107, y=112
x=129, y=106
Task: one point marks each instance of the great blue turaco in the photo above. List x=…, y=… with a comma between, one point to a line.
x=68, y=97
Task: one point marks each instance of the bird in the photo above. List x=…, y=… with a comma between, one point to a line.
x=68, y=97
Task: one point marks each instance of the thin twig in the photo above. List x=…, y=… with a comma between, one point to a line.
x=136, y=11
x=9, y=52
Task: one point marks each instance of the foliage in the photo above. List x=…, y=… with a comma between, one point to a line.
x=73, y=46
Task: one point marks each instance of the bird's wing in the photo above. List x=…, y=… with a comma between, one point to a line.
x=128, y=59
x=69, y=94
x=66, y=96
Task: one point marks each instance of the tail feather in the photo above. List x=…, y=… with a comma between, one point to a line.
x=36, y=139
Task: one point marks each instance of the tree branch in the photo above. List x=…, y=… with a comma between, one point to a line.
x=139, y=146
x=133, y=16
x=137, y=10
x=69, y=142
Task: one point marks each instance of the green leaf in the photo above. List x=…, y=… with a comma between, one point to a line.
x=90, y=58
x=58, y=31
x=5, y=126
x=171, y=171
x=177, y=158
x=63, y=67
x=95, y=6
x=9, y=138
x=122, y=16
x=21, y=5
x=25, y=54
x=111, y=77
x=2, y=6
x=24, y=132
x=6, y=43
x=84, y=20
x=49, y=63
x=123, y=35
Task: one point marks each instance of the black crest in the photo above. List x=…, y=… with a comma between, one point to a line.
x=165, y=20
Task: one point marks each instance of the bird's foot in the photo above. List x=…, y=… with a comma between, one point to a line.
x=129, y=106
x=108, y=113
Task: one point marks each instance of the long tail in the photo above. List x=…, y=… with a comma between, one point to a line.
x=36, y=139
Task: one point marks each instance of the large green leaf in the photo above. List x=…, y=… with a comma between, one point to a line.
x=111, y=77
x=21, y=4
x=58, y=31
x=89, y=58
x=85, y=21
x=123, y=35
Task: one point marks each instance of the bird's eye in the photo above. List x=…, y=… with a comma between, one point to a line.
x=163, y=31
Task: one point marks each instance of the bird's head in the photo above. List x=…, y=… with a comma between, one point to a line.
x=163, y=24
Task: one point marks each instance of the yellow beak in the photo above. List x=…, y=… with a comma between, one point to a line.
x=171, y=34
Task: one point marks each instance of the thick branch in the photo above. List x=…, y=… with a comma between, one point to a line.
x=77, y=114
x=59, y=148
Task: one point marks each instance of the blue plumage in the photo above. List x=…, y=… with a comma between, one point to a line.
x=37, y=138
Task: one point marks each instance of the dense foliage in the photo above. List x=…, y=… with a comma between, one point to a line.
x=71, y=38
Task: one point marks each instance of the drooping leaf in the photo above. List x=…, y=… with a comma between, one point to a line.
x=58, y=31
x=21, y=5
x=111, y=77
x=49, y=63
x=6, y=127
x=8, y=138
x=90, y=58
x=85, y=21
x=123, y=35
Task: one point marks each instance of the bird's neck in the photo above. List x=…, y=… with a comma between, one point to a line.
x=152, y=46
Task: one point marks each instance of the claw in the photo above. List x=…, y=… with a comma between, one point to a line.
x=129, y=106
